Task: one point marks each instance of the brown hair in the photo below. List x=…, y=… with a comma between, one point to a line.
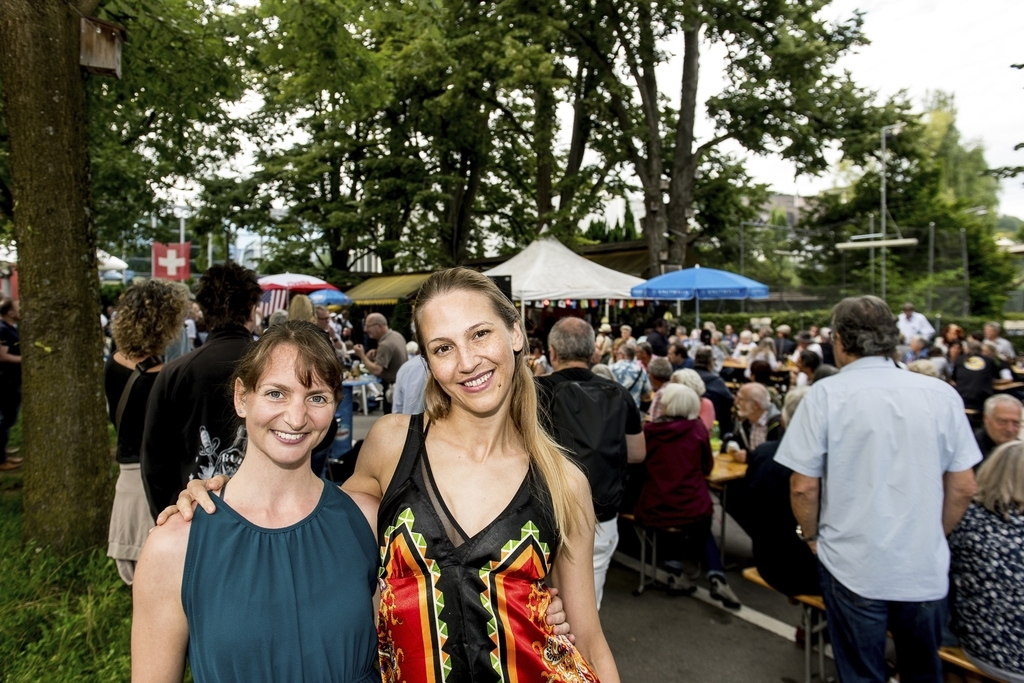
x=227, y=294
x=544, y=453
x=149, y=317
x=316, y=359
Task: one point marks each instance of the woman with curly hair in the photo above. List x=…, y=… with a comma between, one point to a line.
x=148, y=317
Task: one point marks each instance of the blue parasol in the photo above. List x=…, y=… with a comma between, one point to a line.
x=700, y=283
x=330, y=297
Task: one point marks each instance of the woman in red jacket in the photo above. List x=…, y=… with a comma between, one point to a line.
x=675, y=497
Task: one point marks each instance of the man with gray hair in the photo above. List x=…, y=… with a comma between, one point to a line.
x=993, y=332
x=912, y=324
x=660, y=372
x=598, y=423
x=388, y=357
x=759, y=421
x=1001, y=423
x=882, y=472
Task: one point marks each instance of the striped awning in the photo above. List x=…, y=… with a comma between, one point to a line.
x=386, y=289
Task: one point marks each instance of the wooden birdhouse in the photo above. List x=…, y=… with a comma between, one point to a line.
x=100, y=51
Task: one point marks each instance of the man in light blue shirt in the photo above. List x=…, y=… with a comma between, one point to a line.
x=888, y=454
x=410, y=383
x=629, y=373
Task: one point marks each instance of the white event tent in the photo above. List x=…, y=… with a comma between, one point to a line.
x=547, y=269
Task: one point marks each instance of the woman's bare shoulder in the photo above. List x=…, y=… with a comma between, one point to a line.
x=168, y=543
x=379, y=455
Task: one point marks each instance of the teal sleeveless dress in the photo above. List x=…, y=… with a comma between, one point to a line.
x=290, y=604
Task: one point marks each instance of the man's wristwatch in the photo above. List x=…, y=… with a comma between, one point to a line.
x=805, y=539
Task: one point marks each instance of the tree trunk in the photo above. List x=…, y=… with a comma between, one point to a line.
x=68, y=482
x=582, y=124
x=684, y=161
x=543, y=142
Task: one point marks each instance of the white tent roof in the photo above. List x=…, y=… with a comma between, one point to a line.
x=9, y=255
x=547, y=269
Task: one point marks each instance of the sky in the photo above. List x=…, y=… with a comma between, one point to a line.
x=919, y=46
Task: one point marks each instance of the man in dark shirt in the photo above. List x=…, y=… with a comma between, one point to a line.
x=1001, y=423
x=571, y=344
x=714, y=388
x=658, y=338
x=973, y=375
x=678, y=358
x=191, y=429
x=782, y=559
x=10, y=379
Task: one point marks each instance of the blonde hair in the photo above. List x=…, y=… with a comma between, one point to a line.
x=301, y=308
x=545, y=455
x=923, y=366
x=1001, y=480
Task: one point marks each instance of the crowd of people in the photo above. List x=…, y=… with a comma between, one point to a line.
x=883, y=472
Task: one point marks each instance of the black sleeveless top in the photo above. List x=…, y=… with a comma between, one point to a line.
x=462, y=608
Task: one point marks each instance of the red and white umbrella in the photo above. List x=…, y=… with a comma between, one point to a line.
x=298, y=283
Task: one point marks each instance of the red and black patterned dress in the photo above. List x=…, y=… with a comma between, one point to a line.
x=467, y=609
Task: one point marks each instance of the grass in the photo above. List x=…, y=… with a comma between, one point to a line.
x=62, y=620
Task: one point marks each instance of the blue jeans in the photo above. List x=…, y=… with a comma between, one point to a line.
x=858, y=625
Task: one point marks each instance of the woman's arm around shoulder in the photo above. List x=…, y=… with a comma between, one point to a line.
x=379, y=457
x=574, y=578
x=159, y=626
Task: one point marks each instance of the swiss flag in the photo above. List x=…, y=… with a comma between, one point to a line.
x=170, y=261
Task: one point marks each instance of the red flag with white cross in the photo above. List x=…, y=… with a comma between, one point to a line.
x=171, y=261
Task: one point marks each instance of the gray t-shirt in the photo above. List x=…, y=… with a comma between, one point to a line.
x=391, y=354
x=881, y=439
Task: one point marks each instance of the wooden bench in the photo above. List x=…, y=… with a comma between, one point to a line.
x=647, y=537
x=814, y=603
x=812, y=619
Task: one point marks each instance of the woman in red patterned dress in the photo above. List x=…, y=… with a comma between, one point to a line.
x=480, y=511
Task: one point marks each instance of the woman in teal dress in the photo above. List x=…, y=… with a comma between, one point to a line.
x=280, y=584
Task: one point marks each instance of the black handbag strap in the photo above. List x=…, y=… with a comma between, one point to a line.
x=141, y=367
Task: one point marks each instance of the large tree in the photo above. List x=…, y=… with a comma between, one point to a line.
x=784, y=95
x=67, y=464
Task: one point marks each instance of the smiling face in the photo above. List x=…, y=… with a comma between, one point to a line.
x=284, y=420
x=470, y=350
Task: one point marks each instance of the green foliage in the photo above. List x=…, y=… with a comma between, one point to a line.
x=67, y=617
x=921, y=191
x=160, y=125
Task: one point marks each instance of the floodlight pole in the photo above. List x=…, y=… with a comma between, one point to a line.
x=895, y=128
x=931, y=262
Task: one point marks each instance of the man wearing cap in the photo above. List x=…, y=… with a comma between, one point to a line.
x=912, y=324
x=805, y=342
x=784, y=346
x=603, y=344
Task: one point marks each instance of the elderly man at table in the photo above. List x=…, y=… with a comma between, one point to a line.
x=1003, y=346
x=1001, y=423
x=759, y=420
x=388, y=357
x=660, y=373
x=882, y=471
